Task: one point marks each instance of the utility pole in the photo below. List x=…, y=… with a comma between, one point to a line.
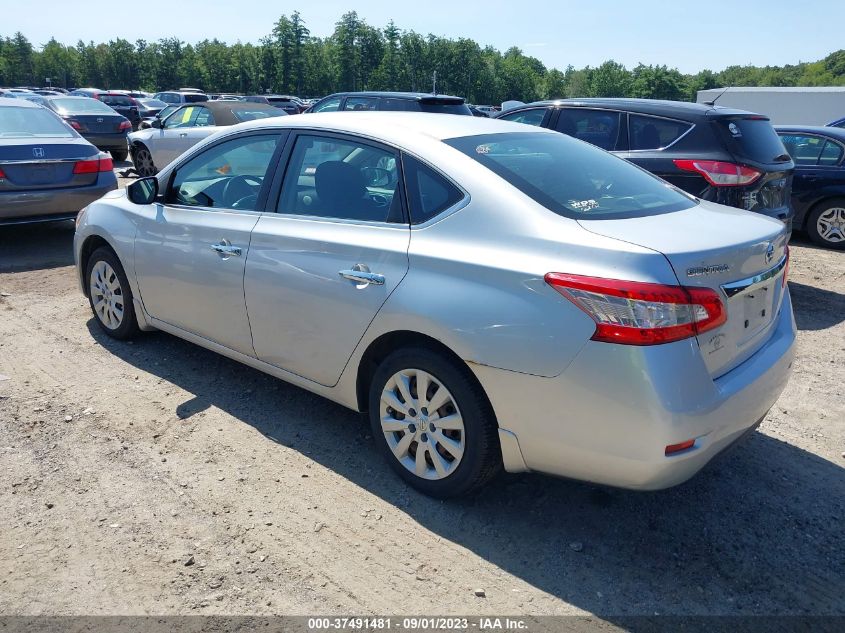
x=434, y=83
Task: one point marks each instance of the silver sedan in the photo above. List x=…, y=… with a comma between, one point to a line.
x=492, y=295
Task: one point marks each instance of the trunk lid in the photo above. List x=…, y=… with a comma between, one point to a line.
x=32, y=165
x=99, y=123
x=738, y=254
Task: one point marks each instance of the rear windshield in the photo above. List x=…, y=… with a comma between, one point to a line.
x=116, y=100
x=412, y=105
x=250, y=115
x=153, y=103
x=572, y=178
x=18, y=122
x=81, y=105
x=753, y=139
x=195, y=98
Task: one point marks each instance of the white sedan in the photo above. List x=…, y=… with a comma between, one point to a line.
x=153, y=148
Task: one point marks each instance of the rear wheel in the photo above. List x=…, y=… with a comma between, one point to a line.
x=110, y=296
x=119, y=154
x=433, y=423
x=826, y=223
x=143, y=161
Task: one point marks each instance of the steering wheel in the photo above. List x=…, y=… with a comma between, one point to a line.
x=248, y=184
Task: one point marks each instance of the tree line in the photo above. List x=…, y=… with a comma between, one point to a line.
x=358, y=56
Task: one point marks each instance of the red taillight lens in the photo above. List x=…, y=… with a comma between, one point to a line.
x=638, y=313
x=2, y=174
x=93, y=166
x=679, y=448
x=124, y=125
x=76, y=125
x=720, y=174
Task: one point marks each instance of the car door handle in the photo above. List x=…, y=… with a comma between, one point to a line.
x=183, y=134
x=362, y=277
x=226, y=250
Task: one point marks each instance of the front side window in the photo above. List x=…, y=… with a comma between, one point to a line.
x=359, y=104
x=529, y=117
x=804, y=149
x=226, y=176
x=204, y=117
x=429, y=193
x=648, y=132
x=598, y=127
x=340, y=178
x=572, y=179
x=329, y=105
x=184, y=117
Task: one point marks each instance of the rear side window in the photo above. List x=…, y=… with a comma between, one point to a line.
x=753, y=139
x=648, y=132
x=442, y=107
x=400, y=105
x=429, y=193
x=804, y=149
x=116, y=100
x=831, y=154
x=534, y=116
x=572, y=179
x=598, y=127
x=358, y=104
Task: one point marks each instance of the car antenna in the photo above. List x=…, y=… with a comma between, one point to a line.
x=719, y=96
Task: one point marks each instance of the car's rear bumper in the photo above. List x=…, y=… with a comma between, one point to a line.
x=610, y=415
x=52, y=204
x=107, y=141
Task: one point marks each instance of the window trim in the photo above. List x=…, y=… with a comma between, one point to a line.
x=657, y=116
x=266, y=187
x=466, y=198
x=274, y=194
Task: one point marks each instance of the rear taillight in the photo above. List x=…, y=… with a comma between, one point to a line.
x=720, y=174
x=124, y=125
x=76, y=125
x=93, y=165
x=638, y=313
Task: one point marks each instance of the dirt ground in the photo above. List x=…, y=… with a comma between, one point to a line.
x=156, y=477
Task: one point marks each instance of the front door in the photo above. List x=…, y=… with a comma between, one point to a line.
x=190, y=250
x=322, y=266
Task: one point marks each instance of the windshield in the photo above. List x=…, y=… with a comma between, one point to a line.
x=572, y=178
x=18, y=122
x=81, y=105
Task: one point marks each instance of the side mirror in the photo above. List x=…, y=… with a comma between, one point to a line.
x=156, y=123
x=143, y=191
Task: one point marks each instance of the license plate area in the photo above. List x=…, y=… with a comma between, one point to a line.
x=756, y=308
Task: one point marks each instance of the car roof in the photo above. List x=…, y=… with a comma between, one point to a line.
x=223, y=110
x=397, y=128
x=394, y=95
x=644, y=106
x=21, y=103
x=833, y=132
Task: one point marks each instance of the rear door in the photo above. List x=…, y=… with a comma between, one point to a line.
x=322, y=266
x=602, y=128
x=649, y=138
x=818, y=168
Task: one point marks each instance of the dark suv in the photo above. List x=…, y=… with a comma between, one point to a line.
x=727, y=156
x=392, y=101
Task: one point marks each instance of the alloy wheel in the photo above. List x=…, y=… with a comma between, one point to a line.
x=106, y=295
x=144, y=162
x=831, y=225
x=422, y=424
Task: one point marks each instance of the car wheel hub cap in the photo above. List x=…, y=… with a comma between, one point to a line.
x=422, y=424
x=831, y=225
x=106, y=295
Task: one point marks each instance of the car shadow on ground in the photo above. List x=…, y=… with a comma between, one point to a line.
x=757, y=532
x=815, y=308
x=40, y=246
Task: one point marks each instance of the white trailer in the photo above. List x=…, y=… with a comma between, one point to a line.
x=784, y=106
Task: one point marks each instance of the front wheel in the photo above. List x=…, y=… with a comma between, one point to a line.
x=110, y=296
x=143, y=160
x=826, y=224
x=433, y=423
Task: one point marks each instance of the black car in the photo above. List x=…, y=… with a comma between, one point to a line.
x=97, y=122
x=149, y=108
x=818, y=187
x=123, y=105
x=392, y=101
x=47, y=171
x=727, y=156
x=288, y=103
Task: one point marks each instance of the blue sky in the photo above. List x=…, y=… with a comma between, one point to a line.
x=681, y=33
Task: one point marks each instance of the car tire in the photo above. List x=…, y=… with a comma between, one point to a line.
x=119, y=154
x=457, y=459
x=110, y=295
x=143, y=161
x=826, y=224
